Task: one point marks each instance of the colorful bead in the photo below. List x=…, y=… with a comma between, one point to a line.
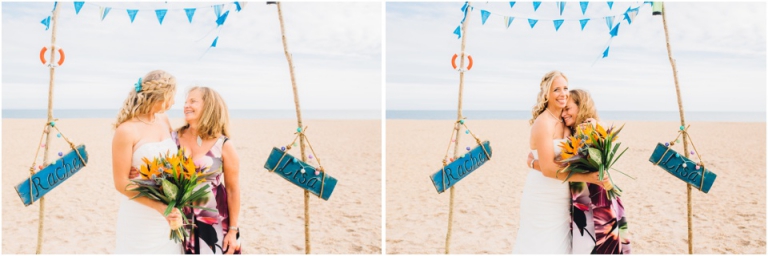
x=685, y=165
x=451, y=159
x=298, y=129
x=461, y=121
x=61, y=154
x=467, y=131
x=467, y=148
x=682, y=127
x=53, y=123
x=317, y=172
x=693, y=153
x=698, y=167
x=42, y=145
x=294, y=160
x=310, y=156
x=58, y=135
x=303, y=171
x=453, y=140
x=282, y=148
x=666, y=144
x=40, y=167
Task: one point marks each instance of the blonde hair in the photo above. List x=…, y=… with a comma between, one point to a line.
x=156, y=86
x=214, y=120
x=541, y=100
x=585, y=104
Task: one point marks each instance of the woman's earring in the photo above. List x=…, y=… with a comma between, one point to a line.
x=199, y=141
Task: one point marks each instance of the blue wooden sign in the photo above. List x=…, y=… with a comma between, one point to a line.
x=51, y=176
x=290, y=167
x=460, y=168
x=672, y=162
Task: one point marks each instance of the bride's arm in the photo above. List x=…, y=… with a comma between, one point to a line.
x=122, y=149
x=541, y=134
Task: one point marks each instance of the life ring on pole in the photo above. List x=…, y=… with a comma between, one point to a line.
x=453, y=61
x=45, y=49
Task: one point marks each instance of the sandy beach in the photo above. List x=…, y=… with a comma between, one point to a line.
x=729, y=219
x=81, y=213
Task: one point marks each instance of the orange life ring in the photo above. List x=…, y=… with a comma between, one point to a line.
x=45, y=49
x=453, y=61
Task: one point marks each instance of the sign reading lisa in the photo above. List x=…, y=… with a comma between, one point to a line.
x=290, y=167
x=460, y=168
x=51, y=176
x=672, y=162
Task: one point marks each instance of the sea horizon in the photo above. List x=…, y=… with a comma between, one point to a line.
x=177, y=113
x=705, y=116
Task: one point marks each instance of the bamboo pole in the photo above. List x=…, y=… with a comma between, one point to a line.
x=307, y=247
x=457, y=125
x=52, y=69
x=682, y=122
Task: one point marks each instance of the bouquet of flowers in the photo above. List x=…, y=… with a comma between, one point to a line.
x=173, y=180
x=593, y=149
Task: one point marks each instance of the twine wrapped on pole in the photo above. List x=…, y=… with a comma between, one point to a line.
x=307, y=247
x=457, y=125
x=682, y=122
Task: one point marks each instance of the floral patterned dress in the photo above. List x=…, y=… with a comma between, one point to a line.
x=607, y=216
x=207, y=234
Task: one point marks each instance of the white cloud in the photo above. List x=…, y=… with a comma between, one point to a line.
x=719, y=49
x=336, y=49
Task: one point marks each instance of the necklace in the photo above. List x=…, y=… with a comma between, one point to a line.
x=152, y=122
x=553, y=115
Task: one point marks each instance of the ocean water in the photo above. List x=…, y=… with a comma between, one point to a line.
x=604, y=115
x=177, y=113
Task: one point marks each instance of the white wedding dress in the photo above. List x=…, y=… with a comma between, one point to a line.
x=140, y=229
x=545, y=217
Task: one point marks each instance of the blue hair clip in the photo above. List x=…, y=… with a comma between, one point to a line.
x=138, y=85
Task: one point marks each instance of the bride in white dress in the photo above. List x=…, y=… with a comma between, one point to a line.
x=545, y=217
x=143, y=131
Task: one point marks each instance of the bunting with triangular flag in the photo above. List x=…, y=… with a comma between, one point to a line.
x=626, y=15
x=605, y=53
x=161, y=15
x=46, y=22
x=484, y=15
x=217, y=10
x=457, y=31
x=511, y=4
x=215, y=41
x=536, y=5
x=220, y=20
x=615, y=30
x=132, y=14
x=508, y=20
x=561, y=6
x=610, y=5
x=532, y=22
x=78, y=5
x=583, y=7
x=237, y=6
x=583, y=23
x=609, y=21
x=558, y=23
x=104, y=11
x=190, y=12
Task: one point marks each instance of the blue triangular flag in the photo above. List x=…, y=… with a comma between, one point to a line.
x=457, y=31
x=605, y=53
x=484, y=15
x=610, y=5
x=54, y=5
x=220, y=20
x=161, y=15
x=217, y=10
x=562, y=7
x=215, y=41
x=583, y=23
x=464, y=8
x=558, y=23
x=615, y=30
x=583, y=7
x=190, y=12
x=104, y=11
x=532, y=22
x=78, y=5
x=46, y=22
x=237, y=6
x=626, y=15
x=609, y=21
x=508, y=20
x=511, y=4
x=536, y=5
x=132, y=14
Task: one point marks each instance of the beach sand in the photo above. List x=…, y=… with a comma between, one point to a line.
x=729, y=219
x=81, y=214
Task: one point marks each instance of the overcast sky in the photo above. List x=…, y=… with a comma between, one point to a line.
x=336, y=49
x=720, y=50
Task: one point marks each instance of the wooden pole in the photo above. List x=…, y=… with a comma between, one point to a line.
x=307, y=247
x=52, y=69
x=457, y=126
x=682, y=122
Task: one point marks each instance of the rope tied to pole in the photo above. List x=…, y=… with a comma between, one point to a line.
x=302, y=133
x=685, y=134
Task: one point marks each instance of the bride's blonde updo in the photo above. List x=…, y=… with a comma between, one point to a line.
x=156, y=86
x=545, y=86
